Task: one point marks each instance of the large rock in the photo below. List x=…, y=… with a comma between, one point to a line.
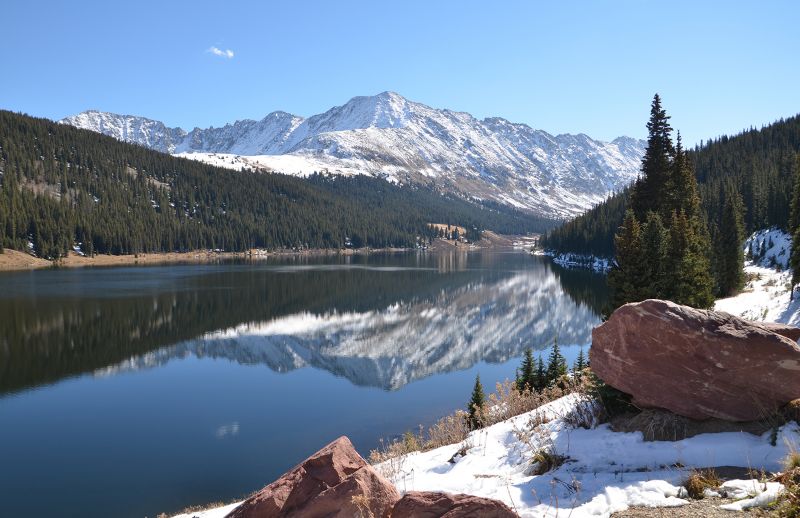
x=425, y=504
x=334, y=482
x=695, y=363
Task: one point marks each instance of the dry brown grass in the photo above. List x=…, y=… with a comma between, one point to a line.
x=504, y=403
x=700, y=480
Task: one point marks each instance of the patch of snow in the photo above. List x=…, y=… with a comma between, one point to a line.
x=766, y=295
x=604, y=471
x=572, y=260
x=218, y=512
x=750, y=493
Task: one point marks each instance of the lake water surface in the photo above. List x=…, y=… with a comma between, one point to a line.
x=139, y=390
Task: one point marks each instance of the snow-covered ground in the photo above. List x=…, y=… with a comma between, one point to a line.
x=604, y=471
x=216, y=512
x=766, y=294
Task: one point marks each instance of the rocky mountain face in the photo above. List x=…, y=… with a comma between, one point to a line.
x=407, y=142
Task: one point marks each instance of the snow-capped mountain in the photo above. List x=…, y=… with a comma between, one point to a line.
x=407, y=142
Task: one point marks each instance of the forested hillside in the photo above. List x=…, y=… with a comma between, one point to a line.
x=61, y=187
x=754, y=168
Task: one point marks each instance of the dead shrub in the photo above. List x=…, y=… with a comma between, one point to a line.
x=700, y=480
x=545, y=460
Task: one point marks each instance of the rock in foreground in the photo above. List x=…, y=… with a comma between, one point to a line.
x=696, y=363
x=334, y=482
x=426, y=504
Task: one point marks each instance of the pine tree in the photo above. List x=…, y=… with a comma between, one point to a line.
x=794, y=228
x=476, y=404
x=556, y=364
x=730, y=238
x=579, y=365
x=526, y=378
x=541, y=375
x=648, y=193
x=628, y=274
x=654, y=252
x=689, y=273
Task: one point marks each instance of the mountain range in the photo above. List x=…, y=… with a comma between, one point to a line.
x=406, y=142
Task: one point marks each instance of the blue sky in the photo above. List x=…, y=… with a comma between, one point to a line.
x=562, y=66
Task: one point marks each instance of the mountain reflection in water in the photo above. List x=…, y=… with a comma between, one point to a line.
x=381, y=321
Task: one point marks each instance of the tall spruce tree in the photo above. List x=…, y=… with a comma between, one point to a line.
x=476, y=403
x=653, y=261
x=794, y=227
x=628, y=275
x=648, y=194
x=654, y=254
x=728, y=248
x=689, y=274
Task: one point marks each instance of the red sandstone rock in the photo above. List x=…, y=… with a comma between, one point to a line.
x=334, y=482
x=425, y=504
x=695, y=363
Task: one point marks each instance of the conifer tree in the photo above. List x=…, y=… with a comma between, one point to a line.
x=556, y=364
x=526, y=378
x=689, y=278
x=579, y=365
x=654, y=251
x=794, y=228
x=729, y=253
x=476, y=404
x=541, y=375
x=628, y=274
x=648, y=193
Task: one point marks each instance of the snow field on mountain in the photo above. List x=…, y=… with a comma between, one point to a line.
x=408, y=142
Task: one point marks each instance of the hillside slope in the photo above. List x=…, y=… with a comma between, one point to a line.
x=64, y=188
x=757, y=164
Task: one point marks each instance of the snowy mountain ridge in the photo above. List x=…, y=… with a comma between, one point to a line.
x=390, y=136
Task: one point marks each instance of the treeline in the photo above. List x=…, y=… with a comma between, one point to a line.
x=62, y=187
x=754, y=168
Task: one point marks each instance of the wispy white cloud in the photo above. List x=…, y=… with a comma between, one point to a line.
x=223, y=53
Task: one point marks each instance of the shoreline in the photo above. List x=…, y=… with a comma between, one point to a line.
x=15, y=261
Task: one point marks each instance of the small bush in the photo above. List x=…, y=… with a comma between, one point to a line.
x=545, y=460
x=699, y=481
x=614, y=402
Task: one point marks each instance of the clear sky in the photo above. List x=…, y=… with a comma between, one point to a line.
x=562, y=66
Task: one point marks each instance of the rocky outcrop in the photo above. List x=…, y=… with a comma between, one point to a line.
x=426, y=504
x=696, y=363
x=334, y=482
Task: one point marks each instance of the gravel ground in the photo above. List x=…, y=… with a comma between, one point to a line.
x=707, y=507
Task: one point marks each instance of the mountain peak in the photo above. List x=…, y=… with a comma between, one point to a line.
x=389, y=136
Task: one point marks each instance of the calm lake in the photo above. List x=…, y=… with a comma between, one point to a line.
x=128, y=392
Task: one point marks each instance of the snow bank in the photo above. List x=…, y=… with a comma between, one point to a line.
x=217, y=512
x=766, y=294
x=603, y=472
x=571, y=260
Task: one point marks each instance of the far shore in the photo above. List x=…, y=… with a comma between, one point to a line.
x=14, y=260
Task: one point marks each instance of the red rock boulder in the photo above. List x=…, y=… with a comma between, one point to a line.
x=425, y=504
x=334, y=482
x=696, y=363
